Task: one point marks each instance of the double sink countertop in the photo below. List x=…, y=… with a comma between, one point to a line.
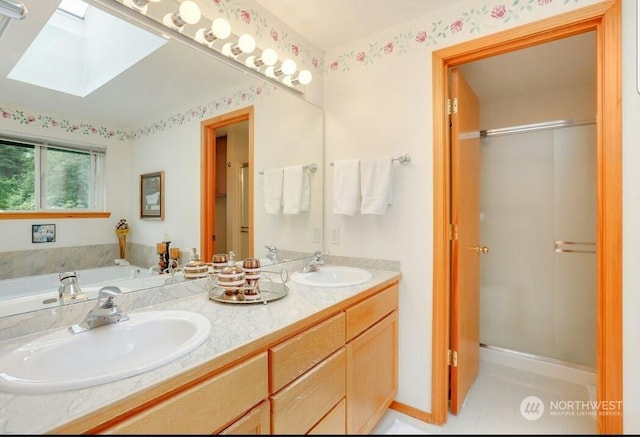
x=237, y=330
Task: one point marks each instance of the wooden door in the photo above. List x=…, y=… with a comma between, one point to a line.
x=465, y=243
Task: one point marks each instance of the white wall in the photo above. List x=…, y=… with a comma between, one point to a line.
x=378, y=103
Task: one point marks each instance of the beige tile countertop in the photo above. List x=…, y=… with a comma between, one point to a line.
x=236, y=328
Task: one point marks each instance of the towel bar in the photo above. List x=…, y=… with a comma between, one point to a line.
x=313, y=167
x=402, y=159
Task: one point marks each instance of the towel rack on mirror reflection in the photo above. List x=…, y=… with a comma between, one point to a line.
x=313, y=167
x=576, y=247
x=402, y=159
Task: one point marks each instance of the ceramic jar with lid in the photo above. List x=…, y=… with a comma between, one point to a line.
x=251, y=267
x=219, y=261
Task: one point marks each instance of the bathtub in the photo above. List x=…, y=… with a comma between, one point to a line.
x=29, y=293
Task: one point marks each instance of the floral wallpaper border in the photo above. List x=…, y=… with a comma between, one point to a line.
x=475, y=20
x=284, y=41
x=231, y=101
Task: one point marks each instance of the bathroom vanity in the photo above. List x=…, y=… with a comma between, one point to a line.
x=319, y=361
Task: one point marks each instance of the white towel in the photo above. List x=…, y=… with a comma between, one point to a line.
x=272, y=186
x=377, y=185
x=292, y=188
x=346, y=186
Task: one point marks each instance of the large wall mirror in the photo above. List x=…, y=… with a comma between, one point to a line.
x=150, y=118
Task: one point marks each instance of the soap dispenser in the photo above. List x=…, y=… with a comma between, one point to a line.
x=195, y=268
x=232, y=277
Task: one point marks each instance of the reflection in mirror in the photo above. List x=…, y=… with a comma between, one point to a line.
x=149, y=119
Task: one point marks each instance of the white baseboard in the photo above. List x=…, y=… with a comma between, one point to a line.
x=543, y=366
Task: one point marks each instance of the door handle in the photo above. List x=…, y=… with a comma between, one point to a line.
x=481, y=249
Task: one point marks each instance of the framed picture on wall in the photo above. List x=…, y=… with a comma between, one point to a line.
x=43, y=233
x=152, y=196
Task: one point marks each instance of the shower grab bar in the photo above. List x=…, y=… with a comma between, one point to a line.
x=573, y=243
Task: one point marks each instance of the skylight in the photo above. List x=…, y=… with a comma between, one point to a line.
x=76, y=53
x=77, y=8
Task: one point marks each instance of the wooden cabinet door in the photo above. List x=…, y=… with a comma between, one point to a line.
x=372, y=374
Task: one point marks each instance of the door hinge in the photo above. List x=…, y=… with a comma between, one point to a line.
x=452, y=106
x=453, y=232
x=453, y=358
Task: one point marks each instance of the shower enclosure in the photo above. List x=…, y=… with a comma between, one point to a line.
x=538, y=216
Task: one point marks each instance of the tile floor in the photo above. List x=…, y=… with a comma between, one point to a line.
x=493, y=406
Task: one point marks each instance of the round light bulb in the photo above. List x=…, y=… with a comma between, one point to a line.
x=226, y=49
x=269, y=57
x=190, y=12
x=270, y=72
x=250, y=62
x=221, y=28
x=288, y=67
x=287, y=81
x=246, y=43
x=139, y=5
x=304, y=77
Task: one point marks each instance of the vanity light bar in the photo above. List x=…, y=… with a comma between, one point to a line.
x=283, y=73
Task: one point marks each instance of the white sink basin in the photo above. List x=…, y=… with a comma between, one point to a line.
x=333, y=276
x=61, y=360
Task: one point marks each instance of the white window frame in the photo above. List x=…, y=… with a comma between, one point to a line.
x=97, y=195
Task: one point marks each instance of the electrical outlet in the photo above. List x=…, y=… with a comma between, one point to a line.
x=317, y=235
x=334, y=235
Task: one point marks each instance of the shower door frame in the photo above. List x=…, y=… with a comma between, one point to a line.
x=605, y=19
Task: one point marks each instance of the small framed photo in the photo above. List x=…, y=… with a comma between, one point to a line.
x=152, y=196
x=43, y=233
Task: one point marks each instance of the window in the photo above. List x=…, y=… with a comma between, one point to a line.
x=37, y=176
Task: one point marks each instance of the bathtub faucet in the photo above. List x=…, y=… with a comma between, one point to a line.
x=105, y=313
x=69, y=290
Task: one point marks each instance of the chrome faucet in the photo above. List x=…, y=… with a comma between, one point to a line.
x=272, y=255
x=69, y=290
x=312, y=264
x=105, y=313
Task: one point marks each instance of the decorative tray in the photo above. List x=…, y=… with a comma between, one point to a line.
x=267, y=292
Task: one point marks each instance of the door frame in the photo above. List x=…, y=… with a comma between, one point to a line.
x=208, y=176
x=605, y=19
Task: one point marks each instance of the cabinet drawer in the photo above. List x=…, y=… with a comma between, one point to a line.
x=365, y=314
x=299, y=406
x=293, y=357
x=205, y=407
x=256, y=421
x=333, y=423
